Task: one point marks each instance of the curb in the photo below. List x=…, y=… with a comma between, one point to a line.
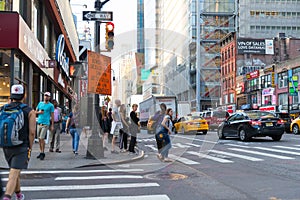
x=139, y=157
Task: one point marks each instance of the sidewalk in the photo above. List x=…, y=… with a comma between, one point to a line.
x=67, y=160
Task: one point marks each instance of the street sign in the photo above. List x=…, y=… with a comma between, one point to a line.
x=97, y=16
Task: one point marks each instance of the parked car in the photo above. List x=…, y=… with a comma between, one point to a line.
x=294, y=127
x=248, y=124
x=286, y=119
x=191, y=124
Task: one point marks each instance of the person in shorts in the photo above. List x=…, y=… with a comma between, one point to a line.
x=45, y=112
x=116, y=125
x=17, y=157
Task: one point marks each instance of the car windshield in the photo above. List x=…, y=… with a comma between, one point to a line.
x=219, y=114
x=194, y=117
x=283, y=115
x=255, y=115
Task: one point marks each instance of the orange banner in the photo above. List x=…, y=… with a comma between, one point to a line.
x=99, y=73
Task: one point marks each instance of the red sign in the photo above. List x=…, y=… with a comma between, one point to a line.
x=268, y=108
x=252, y=75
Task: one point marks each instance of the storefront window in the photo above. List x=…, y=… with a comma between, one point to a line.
x=4, y=77
x=5, y=5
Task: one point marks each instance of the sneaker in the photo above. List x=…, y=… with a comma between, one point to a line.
x=105, y=148
x=167, y=160
x=50, y=150
x=159, y=156
x=58, y=151
x=42, y=157
x=20, y=196
x=39, y=156
x=114, y=152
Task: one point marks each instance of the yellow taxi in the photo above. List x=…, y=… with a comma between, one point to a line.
x=294, y=127
x=191, y=124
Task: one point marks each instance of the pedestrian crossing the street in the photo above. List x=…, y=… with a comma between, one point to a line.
x=78, y=184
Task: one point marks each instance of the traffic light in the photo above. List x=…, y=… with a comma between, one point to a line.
x=109, y=44
x=75, y=70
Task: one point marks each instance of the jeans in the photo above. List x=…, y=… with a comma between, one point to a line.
x=166, y=146
x=75, y=139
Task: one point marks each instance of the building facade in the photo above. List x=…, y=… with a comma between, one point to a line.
x=38, y=42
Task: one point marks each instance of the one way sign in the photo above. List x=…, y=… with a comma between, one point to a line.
x=97, y=16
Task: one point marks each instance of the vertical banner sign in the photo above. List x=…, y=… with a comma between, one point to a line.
x=99, y=73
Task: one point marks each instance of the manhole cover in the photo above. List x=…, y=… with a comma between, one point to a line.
x=166, y=176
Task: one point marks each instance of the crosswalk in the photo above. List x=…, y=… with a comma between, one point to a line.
x=192, y=154
x=80, y=183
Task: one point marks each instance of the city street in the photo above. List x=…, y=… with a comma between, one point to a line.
x=205, y=168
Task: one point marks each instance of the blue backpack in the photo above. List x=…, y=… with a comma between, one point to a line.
x=11, y=122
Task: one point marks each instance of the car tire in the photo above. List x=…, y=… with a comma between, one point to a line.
x=182, y=130
x=220, y=134
x=204, y=132
x=243, y=135
x=295, y=129
x=276, y=137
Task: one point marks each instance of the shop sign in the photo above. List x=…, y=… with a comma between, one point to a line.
x=268, y=108
x=252, y=75
x=61, y=81
x=255, y=46
x=268, y=91
x=60, y=55
x=240, y=88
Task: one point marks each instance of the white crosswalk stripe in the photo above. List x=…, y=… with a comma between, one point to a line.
x=183, y=160
x=141, y=197
x=121, y=181
x=236, y=155
x=201, y=155
x=284, y=147
x=278, y=151
x=261, y=153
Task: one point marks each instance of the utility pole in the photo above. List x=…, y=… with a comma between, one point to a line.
x=95, y=145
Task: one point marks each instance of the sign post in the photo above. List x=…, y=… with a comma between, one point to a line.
x=97, y=16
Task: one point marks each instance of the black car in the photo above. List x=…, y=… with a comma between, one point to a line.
x=286, y=119
x=248, y=124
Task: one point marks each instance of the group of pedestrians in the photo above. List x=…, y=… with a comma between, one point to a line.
x=119, y=125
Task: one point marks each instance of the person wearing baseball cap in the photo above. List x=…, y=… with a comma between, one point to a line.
x=45, y=112
x=18, y=156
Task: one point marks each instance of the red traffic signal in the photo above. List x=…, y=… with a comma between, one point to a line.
x=109, y=45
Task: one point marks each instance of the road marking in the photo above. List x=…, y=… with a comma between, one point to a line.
x=180, y=145
x=151, y=146
x=237, y=155
x=263, y=154
x=145, y=164
x=292, y=148
x=279, y=151
x=98, y=177
x=297, y=145
x=183, y=160
x=236, y=145
x=77, y=171
x=142, y=197
x=201, y=155
x=87, y=187
x=191, y=144
x=194, y=139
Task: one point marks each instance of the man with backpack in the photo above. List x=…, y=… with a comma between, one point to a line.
x=18, y=126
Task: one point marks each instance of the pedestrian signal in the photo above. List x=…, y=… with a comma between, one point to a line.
x=109, y=44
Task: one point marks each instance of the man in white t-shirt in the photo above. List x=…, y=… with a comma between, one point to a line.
x=116, y=124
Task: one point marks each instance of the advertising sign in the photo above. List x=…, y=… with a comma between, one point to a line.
x=99, y=73
x=255, y=46
x=252, y=75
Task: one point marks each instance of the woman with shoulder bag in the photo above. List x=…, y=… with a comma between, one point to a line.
x=164, y=135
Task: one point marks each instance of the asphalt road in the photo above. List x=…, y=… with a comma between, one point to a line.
x=205, y=168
